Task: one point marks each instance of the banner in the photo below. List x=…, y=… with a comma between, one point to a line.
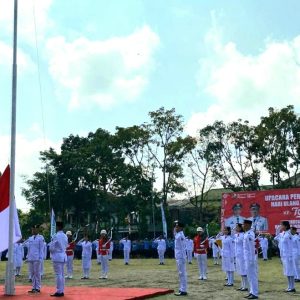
x=53, y=224
x=164, y=222
x=266, y=209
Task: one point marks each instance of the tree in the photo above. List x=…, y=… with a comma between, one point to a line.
x=278, y=145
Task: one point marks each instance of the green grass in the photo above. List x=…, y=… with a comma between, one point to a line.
x=147, y=273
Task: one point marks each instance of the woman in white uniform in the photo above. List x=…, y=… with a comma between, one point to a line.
x=239, y=256
x=228, y=255
x=86, y=256
x=286, y=252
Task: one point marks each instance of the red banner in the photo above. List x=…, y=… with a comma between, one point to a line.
x=266, y=209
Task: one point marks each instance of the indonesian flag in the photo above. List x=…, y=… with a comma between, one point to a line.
x=4, y=213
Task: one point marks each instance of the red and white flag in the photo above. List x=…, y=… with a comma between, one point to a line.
x=4, y=213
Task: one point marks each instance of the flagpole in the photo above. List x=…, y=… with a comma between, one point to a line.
x=10, y=276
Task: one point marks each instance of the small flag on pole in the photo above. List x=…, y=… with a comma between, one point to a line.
x=53, y=224
x=4, y=212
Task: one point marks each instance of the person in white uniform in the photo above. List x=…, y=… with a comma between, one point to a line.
x=86, y=256
x=161, y=249
x=296, y=253
x=286, y=253
x=111, y=249
x=189, y=249
x=126, y=242
x=44, y=258
x=35, y=245
x=264, y=244
x=236, y=216
x=259, y=223
x=180, y=256
x=250, y=258
x=228, y=255
x=57, y=247
x=215, y=249
x=239, y=256
x=18, y=257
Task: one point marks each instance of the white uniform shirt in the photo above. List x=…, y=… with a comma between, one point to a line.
x=18, y=254
x=238, y=244
x=161, y=244
x=58, y=246
x=249, y=245
x=87, y=249
x=286, y=239
x=264, y=242
x=296, y=245
x=35, y=245
x=180, y=245
x=233, y=220
x=189, y=245
x=126, y=244
x=227, y=246
x=259, y=223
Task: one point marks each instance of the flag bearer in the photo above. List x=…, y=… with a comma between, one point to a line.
x=57, y=247
x=35, y=245
x=103, y=250
x=180, y=256
x=201, y=246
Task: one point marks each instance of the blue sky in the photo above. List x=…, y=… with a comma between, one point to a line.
x=108, y=63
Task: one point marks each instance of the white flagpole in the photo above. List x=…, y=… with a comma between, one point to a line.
x=10, y=276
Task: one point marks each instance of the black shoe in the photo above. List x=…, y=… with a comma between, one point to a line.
x=253, y=297
x=239, y=289
x=244, y=289
x=228, y=284
x=181, y=293
x=126, y=264
x=297, y=280
x=248, y=296
x=57, y=295
x=37, y=291
x=291, y=291
x=190, y=263
x=33, y=291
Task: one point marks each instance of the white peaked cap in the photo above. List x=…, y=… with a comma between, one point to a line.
x=103, y=231
x=200, y=229
x=69, y=233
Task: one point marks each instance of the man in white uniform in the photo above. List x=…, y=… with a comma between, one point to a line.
x=57, y=247
x=189, y=249
x=250, y=259
x=259, y=223
x=296, y=253
x=126, y=249
x=35, y=246
x=161, y=249
x=236, y=217
x=180, y=256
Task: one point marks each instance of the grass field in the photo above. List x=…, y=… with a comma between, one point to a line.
x=147, y=273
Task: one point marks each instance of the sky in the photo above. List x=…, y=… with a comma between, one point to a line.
x=84, y=65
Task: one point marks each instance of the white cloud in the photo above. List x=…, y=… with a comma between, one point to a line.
x=27, y=159
x=27, y=9
x=103, y=72
x=245, y=86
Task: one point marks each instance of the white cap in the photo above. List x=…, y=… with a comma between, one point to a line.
x=103, y=231
x=200, y=229
x=69, y=233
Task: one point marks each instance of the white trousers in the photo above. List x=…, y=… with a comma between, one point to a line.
x=202, y=264
x=42, y=267
x=181, y=268
x=296, y=263
x=58, y=268
x=126, y=255
x=189, y=254
x=35, y=273
x=161, y=255
x=104, y=264
x=252, y=277
x=110, y=254
x=69, y=264
x=265, y=253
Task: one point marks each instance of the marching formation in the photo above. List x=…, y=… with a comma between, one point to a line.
x=236, y=248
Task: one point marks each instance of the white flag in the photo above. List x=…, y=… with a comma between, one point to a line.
x=4, y=213
x=164, y=222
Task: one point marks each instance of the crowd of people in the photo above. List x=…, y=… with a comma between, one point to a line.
x=235, y=248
